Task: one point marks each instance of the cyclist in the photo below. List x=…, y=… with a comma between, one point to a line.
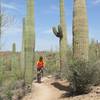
x=40, y=65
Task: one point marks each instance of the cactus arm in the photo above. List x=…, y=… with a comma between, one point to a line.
x=60, y=31
x=55, y=31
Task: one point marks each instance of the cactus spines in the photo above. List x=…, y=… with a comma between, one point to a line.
x=22, y=56
x=61, y=34
x=28, y=42
x=80, y=30
x=63, y=41
x=58, y=33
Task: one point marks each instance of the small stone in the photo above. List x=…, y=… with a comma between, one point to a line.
x=15, y=97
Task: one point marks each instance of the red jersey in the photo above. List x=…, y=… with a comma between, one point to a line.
x=40, y=64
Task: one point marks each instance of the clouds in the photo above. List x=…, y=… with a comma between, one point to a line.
x=9, y=6
x=95, y=2
x=12, y=35
x=47, y=15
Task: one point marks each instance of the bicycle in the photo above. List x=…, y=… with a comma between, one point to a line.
x=39, y=75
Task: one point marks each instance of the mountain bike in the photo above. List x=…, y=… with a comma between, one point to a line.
x=39, y=75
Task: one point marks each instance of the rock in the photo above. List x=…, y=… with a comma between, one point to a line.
x=96, y=89
x=19, y=84
x=27, y=89
x=17, y=94
x=15, y=97
x=50, y=76
x=2, y=89
x=98, y=92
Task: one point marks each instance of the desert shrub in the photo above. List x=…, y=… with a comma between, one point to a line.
x=1, y=72
x=9, y=95
x=0, y=98
x=96, y=66
x=82, y=76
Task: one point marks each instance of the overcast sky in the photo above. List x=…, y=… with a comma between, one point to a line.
x=46, y=16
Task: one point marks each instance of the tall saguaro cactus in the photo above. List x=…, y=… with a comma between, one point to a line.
x=22, y=56
x=14, y=47
x=63, y=47
x=13, y=60
x=80, y=30
x=62, y=35
x=97, y=49
x=29, y=42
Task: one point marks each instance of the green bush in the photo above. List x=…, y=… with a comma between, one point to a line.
x=82, y=76
x=97, y=73
x=9, y=95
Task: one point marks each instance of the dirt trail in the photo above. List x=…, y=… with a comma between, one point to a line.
x=44, y=91
x=50, y=89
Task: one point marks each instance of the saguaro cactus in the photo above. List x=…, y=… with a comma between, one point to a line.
x=62, y=35
x=29, y=42
x=15, y=62
x=80, y=30
x=14, y=48
x=97, y=49
x=58, y=33
x=63, y=47
x=22, y=56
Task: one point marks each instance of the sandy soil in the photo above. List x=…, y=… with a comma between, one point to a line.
x=50, y=89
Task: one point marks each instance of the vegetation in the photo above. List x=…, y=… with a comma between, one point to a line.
x=80, y=30
x=61, y=34
x=52, y=62
x=82, y=75
x=5, y=22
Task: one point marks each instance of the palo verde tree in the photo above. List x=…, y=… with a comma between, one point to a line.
x=5, y=21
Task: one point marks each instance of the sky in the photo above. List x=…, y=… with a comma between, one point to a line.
x=46, y=16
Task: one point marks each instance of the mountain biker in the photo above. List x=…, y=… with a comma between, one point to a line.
x=40, y=65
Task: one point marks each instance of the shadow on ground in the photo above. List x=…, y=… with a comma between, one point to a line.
x=68, y=90
x=63, y=88
x=60, y=86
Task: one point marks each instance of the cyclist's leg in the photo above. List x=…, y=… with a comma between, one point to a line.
x=42, y=72
x=38, y=74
